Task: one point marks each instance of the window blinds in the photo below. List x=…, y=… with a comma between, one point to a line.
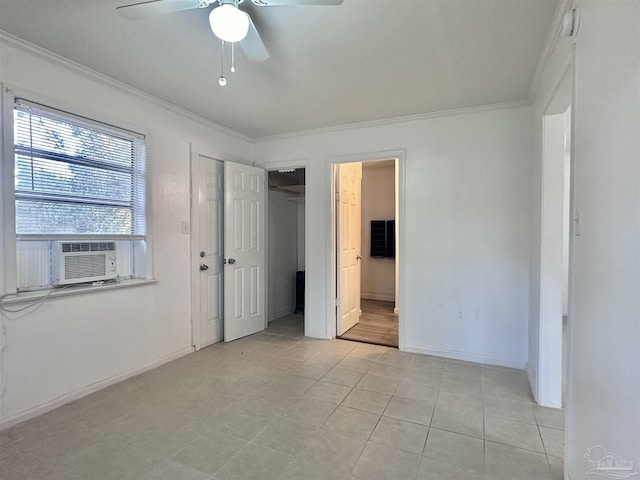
x=76, y=176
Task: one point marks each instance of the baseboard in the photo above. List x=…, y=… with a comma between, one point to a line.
x=282, y=313
x=83, y=392
x=468, y=357
x=378, y=296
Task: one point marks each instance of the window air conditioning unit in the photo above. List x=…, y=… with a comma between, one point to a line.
x=81, y=262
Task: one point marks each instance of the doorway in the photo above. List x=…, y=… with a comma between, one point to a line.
x=286, y=248
x=555, y=247
x=366, y=241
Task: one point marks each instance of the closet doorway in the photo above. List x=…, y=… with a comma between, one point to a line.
x=286, y=249
x=366, y=209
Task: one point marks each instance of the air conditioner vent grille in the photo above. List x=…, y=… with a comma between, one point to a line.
x=82, y=266
x=69, y=247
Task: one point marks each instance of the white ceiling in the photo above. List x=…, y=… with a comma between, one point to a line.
x=364, y=60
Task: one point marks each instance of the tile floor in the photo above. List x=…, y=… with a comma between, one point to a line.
x=277, y=405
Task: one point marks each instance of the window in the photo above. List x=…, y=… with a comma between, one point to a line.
x=75, y=178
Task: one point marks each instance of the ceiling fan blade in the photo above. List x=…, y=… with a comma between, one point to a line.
x=252, y=45
x=151, y=8
x=269, y=3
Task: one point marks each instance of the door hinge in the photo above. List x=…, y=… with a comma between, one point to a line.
x=337, y=302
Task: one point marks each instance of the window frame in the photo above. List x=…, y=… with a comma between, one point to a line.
x=9, y=237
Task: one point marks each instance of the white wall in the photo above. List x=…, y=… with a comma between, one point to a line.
x=603, y=397
x=466, y=252
x=378, y=203
x=283, y=255
x=78, y=342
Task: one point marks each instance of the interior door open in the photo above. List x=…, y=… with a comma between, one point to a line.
x=210, y=198
x=349, y=183
x=244, y=251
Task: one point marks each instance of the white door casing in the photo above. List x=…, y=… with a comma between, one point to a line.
x=349, y=183
x=244, y=248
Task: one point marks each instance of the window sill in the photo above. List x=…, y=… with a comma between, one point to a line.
x=73, y=290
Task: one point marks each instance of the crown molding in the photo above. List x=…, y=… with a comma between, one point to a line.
x=10, y=40
x=549, y=46
x=397, y=120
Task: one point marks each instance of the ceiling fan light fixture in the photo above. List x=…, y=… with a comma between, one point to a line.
x=229, y=23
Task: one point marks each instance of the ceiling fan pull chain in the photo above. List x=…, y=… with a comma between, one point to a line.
x=222, y=81
x=233, y=57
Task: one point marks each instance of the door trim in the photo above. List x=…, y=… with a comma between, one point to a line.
x=400, y=157
x=194, y=232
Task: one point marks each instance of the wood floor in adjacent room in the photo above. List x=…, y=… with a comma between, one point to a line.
x=377, y=324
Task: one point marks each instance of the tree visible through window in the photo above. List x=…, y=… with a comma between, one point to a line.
x=75, y=176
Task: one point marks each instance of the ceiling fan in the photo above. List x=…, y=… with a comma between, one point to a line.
x=228, y=22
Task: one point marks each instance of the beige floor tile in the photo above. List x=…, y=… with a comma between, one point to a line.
x=393, y=356
x=557, y=467
x=379, y=462
x=417, y=391
x=308, y=411
x=377, y=383
x=286, y=436
x=209, y=453
x=400, y=434
x=355, y=364
x=553, y=441
x=255, y=462
x=549, y=417
x=469, y=385
x=343, y=376
x=432, y=469
x=410, y=410
x=503, y=462
x=459, y=416
x=311, y=370
x=462, y=368
x=245, y=407
x=327, y=392
x=455, y=449
x=367, y=400
x=511, y=409
x=515, y=434
x=327, y=448
x=309, y=470
x=513, y=387
x=352, y=422
x=168, y=470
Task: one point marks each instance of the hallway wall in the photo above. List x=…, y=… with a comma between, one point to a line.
x=378, y=203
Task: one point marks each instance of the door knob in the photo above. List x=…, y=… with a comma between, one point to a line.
x=358, y=257
x=232, y=261
x=204, y=267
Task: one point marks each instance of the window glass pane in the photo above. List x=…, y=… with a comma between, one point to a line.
x=46, y=217
x=56, y=177
x=40, y=133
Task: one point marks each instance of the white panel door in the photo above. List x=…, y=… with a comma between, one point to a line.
x=210, y=252
x=349, y=221
x=244, y=247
